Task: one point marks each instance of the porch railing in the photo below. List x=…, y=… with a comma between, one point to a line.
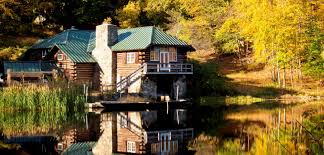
x=168, y=68
x=181, y=135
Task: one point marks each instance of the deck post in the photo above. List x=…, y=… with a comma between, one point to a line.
x=167, y=99
x=8, y=77
x=43, y=77
x=23, y=77
x=177, y=97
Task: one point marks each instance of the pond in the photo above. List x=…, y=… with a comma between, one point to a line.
x=150, y=131
x=246, y=126
x=210, y=126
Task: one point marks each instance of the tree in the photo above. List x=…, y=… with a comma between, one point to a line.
x=129, y=15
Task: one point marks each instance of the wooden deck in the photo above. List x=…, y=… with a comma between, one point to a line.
x=143, y=106
x=169, y=68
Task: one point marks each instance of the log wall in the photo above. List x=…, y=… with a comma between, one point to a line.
x=85, y=72
x=123, y=68
x=67, y=66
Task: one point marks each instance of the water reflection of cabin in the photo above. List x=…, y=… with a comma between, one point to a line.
x=147, y=132
x=142, y=60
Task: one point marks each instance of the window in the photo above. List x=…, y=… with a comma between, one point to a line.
x=131, y=57
x=59, y=56
x=173, y=54
x=131, y=147
x=155, y=54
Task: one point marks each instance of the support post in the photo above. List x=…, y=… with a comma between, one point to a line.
x=23, y=78
x=177, y=95
x=178, y=121
x=167, y=99
x=8, y=77
x=86, y=97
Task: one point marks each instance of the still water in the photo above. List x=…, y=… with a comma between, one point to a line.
x=37, y=132
x=200, y=129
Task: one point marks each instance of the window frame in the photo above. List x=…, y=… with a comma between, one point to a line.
x=155, y=52
x=130, y=55
x=173, y=53
x=60, y=57
x=131, y=147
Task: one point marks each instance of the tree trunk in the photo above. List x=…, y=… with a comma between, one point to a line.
x=273, y=72
x=284, y=77
x=300, y=72
x=278, y=74
x=291, y=77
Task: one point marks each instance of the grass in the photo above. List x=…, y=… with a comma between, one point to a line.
x=52, y=97
x=229, y=100
x=259, y=83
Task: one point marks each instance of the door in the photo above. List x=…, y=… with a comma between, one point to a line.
x=165, y=140
x=164, y=61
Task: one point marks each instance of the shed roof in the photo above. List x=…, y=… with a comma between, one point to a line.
x=28, y=66
x=78, y=44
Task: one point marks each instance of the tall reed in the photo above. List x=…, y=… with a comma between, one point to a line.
x=48, y=97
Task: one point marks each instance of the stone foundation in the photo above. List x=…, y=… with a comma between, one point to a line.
x=149, y=88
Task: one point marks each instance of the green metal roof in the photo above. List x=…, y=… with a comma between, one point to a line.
x=81, y=148
x=28, y=66
x=76, y=51
x=78, y=44
x=133, y=39
x=161, y=38
x=64, y=38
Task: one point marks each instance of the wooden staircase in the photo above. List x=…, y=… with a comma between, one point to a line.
x=123, y=85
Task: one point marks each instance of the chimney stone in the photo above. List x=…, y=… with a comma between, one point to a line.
x=106, y=36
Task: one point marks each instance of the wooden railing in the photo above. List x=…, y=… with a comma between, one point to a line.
x=131, y=78
x=168, y=68
x=124, y=83
x=165, y=147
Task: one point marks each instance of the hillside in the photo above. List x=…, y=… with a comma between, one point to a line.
x=256, y=81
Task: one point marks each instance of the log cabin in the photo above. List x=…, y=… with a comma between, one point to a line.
x=141, y=60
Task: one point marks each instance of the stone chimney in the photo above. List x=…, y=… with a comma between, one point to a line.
x=106, y=36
